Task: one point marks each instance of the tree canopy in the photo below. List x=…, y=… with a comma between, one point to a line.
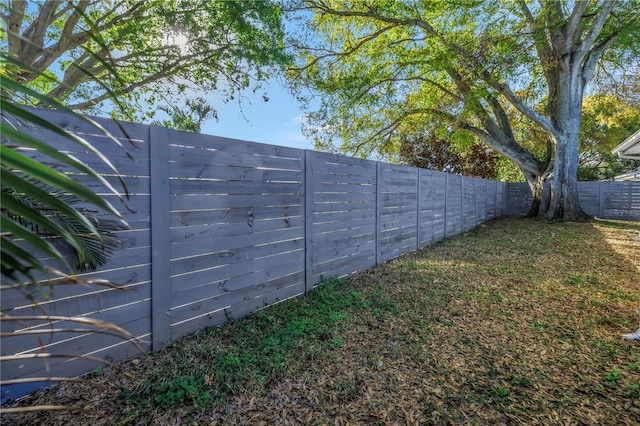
x=607, y=120
x=429, y=151
x=482, y=67
x=155, y=47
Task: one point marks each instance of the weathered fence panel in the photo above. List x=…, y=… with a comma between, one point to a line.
x=453, y=206
x=492, y=200
x=482, y=209
x=589, y=196
x=468, y=207
x=501, y=199
x=432, y=211
x=620, y=200
x=220, y=228
x=519, y=199
x=237, y=234
x=606, y=200
x=397, y=217
x=342, y=215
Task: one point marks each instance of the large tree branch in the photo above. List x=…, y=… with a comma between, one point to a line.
x=353, y=49
x=501, y=87
x=40, y=57
x=501, y=116
x=167, y=70
x=14, y=21
x=527, y=111
x=36, y=32
x=554, y=20
x=73, y=75
x=63, y=10
x=594, y=56
x=583, y=49
x=596, y=27
x=543, y=49
x=67, y=40
x=498, y=133
x=503, y=145
x=73, y=20
x=573, y=28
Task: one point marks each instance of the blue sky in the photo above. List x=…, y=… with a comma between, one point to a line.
x=276, y=122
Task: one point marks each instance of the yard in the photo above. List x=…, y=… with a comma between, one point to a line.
x=516, y=322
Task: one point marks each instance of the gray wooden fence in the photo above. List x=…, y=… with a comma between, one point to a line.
x=605, y=200
x=225, y=227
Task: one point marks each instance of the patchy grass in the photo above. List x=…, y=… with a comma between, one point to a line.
x=517, y=322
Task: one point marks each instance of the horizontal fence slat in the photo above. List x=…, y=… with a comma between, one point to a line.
x=185, y=202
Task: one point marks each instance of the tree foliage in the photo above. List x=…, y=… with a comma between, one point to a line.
x=189, y=117
x=429, y=151
x=155, y=47
x=484, y=67
x=607, y=121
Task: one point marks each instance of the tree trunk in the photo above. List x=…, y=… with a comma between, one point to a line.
x=556, y=199
x=555, y=191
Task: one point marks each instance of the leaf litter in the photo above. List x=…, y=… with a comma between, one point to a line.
x=515, y=322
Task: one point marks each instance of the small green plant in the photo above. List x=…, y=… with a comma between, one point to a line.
x=522, y=381
x=337, y=342
x=500, y=391
x=575, y=280
x=180, y=391
x=96, y=372
x=539, y=325
x=634, y=390
x=607, y=349
x=613, y=377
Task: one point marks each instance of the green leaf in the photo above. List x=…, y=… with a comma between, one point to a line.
x=21, y=185
x=29, y=141
x=56, y=179
x=21, y=112
x=15, y=259
x=30, y=237
x=36, y=219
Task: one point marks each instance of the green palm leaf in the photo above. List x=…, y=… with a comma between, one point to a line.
x=45, y=212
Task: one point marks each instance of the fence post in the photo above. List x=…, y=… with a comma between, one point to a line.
x=461, y=204
x=378, y=209
x=160, y=241
x=418, y=195
x=601, y=200
x=308, y=220
x=505, y=198
x=446, y=185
